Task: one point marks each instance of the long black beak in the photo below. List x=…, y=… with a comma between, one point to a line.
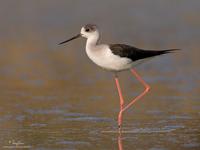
x=73, y=38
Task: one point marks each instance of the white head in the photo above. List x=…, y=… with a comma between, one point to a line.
x=89, y=31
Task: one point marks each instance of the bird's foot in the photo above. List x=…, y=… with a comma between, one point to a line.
x=119, y=128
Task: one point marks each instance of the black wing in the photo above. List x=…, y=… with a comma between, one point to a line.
x=134, y=53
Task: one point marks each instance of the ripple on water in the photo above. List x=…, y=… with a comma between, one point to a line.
x=84, y=117
x=165, y=129
x=154, y=112
x=44, y=97
x=66, y=142
x=38, y=125
x=5, y=118
x=20, y=117
x=44, y=111
x=191, y=145
x=156, y=148
x=175, y=117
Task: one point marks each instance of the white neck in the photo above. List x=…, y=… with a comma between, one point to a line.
x=92, y=41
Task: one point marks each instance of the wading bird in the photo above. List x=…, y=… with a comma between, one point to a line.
x=116, y=58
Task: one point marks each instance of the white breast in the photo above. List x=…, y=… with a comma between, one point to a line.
x=103, y=57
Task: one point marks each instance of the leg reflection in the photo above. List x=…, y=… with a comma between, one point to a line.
x=120, y=145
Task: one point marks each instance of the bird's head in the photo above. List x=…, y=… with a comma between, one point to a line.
x=87, y=31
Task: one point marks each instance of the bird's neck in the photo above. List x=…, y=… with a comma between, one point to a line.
x=92, y=42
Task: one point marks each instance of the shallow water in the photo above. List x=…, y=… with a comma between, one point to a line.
x=52, y=97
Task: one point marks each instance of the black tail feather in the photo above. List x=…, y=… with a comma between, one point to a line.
x=142, y=54
x=152, y=53
x=168, y=51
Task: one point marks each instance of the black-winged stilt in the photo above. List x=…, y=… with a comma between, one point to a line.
x=116, y=58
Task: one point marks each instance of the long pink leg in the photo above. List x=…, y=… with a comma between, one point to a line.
x=122, y=109
x=121, y=101
x=147, y=88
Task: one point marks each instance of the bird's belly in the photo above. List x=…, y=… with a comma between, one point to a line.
x=110, y=62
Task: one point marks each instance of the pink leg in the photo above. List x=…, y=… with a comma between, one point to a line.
x=147, y=88
x=121, y=101
x=122, y=109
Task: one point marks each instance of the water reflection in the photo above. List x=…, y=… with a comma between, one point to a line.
x=120, y=144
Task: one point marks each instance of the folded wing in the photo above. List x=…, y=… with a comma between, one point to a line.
x=134, y=53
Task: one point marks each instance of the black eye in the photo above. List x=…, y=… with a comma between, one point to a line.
x=87, y=30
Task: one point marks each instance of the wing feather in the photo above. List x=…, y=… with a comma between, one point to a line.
x=134, y=53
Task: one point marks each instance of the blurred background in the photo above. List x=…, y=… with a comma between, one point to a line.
x=54, y=97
